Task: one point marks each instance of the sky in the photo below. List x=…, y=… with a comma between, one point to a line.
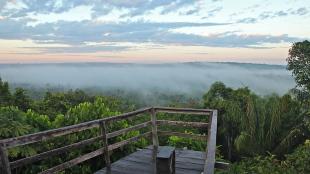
x=151, y=31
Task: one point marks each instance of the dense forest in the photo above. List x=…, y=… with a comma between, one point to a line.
x=257, y=134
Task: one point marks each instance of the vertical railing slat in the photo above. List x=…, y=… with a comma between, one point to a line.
x=154, y=139
x=211, y=144
x=5, y=163
x=154, y=128
x=106, y=152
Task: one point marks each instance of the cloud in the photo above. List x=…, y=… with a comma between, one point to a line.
x=274, y=14
x=76, y=34
x=224, y=40
x=50, y=21
x=301, y=11
x=247, y=20
x=80, y=49
x=79, y=32
x=190, y=12
x=190, y=78
x=45, y=7
x=212, y=12
x=2, y=4
x=281, y=13
x=136, y=7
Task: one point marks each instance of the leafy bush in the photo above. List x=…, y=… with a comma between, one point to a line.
x=295, y=163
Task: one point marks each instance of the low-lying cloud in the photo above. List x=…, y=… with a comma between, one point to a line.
x=187, y=78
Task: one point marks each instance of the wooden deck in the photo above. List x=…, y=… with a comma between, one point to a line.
x=187, y=162
x=141, y=162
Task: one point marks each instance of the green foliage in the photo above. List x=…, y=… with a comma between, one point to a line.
x=88, y=111
x=295, y=163
x=12, y=122
x=21, y=99
x=299, y=160
x=5, y=95
x=180, y=142
x=299, y=63
x=250, y=124
x=37, y=121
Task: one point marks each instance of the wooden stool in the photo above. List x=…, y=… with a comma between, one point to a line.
x=165, y=160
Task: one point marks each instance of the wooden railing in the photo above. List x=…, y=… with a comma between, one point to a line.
x=5, y=144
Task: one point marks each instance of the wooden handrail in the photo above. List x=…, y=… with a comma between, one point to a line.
x=105, y=150
x=44, y=135
x=184, y=135
x=54, y=152
x=184, y=110
x=182, y=123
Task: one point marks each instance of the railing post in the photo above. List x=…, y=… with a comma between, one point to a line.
x=211, y=144
x=154, y=139
x=106, y=153
x=4, y=159
x=154, y=129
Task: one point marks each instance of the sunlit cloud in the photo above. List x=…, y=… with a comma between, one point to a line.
x=137, y=28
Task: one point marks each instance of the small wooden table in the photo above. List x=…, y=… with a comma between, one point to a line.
x=165, y=160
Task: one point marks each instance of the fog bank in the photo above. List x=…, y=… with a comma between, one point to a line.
x=189, y=78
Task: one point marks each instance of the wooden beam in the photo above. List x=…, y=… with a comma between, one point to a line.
x=130, y=140
x=104, y=132
x=183, y=110
x=184, y=135
x=154, y=129
x=126, y=130
x=5, y=164
x=211, y=144
x=221, y=165
x=126, y=115
x=32, y=138
x=73, y=162
x=54, y=152
x=182, y=123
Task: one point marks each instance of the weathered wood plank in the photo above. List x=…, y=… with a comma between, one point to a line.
x=184, y=135
x=154, y=128
x=221, y=165
x=130, y=140
x=126, y=130
x=54, y=152
x=127, y=115
x=154, y=138
x=211, y=144
x=141, y=163
x=73, y=162
x=4, y=161
x=32, y=138
x=184, y=110
x=182, y=123
x=106, y=153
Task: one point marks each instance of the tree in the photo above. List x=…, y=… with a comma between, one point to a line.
x=250, y=124
x=5, y=95
x=299, y=63
x=21, y=99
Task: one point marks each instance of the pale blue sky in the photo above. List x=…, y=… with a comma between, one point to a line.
x=151, y=30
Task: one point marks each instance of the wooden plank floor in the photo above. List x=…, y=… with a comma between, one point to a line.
x=140, y=162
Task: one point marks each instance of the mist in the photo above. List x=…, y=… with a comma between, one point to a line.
x=187, y=78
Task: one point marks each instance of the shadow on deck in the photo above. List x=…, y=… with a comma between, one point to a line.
x=141, y=162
